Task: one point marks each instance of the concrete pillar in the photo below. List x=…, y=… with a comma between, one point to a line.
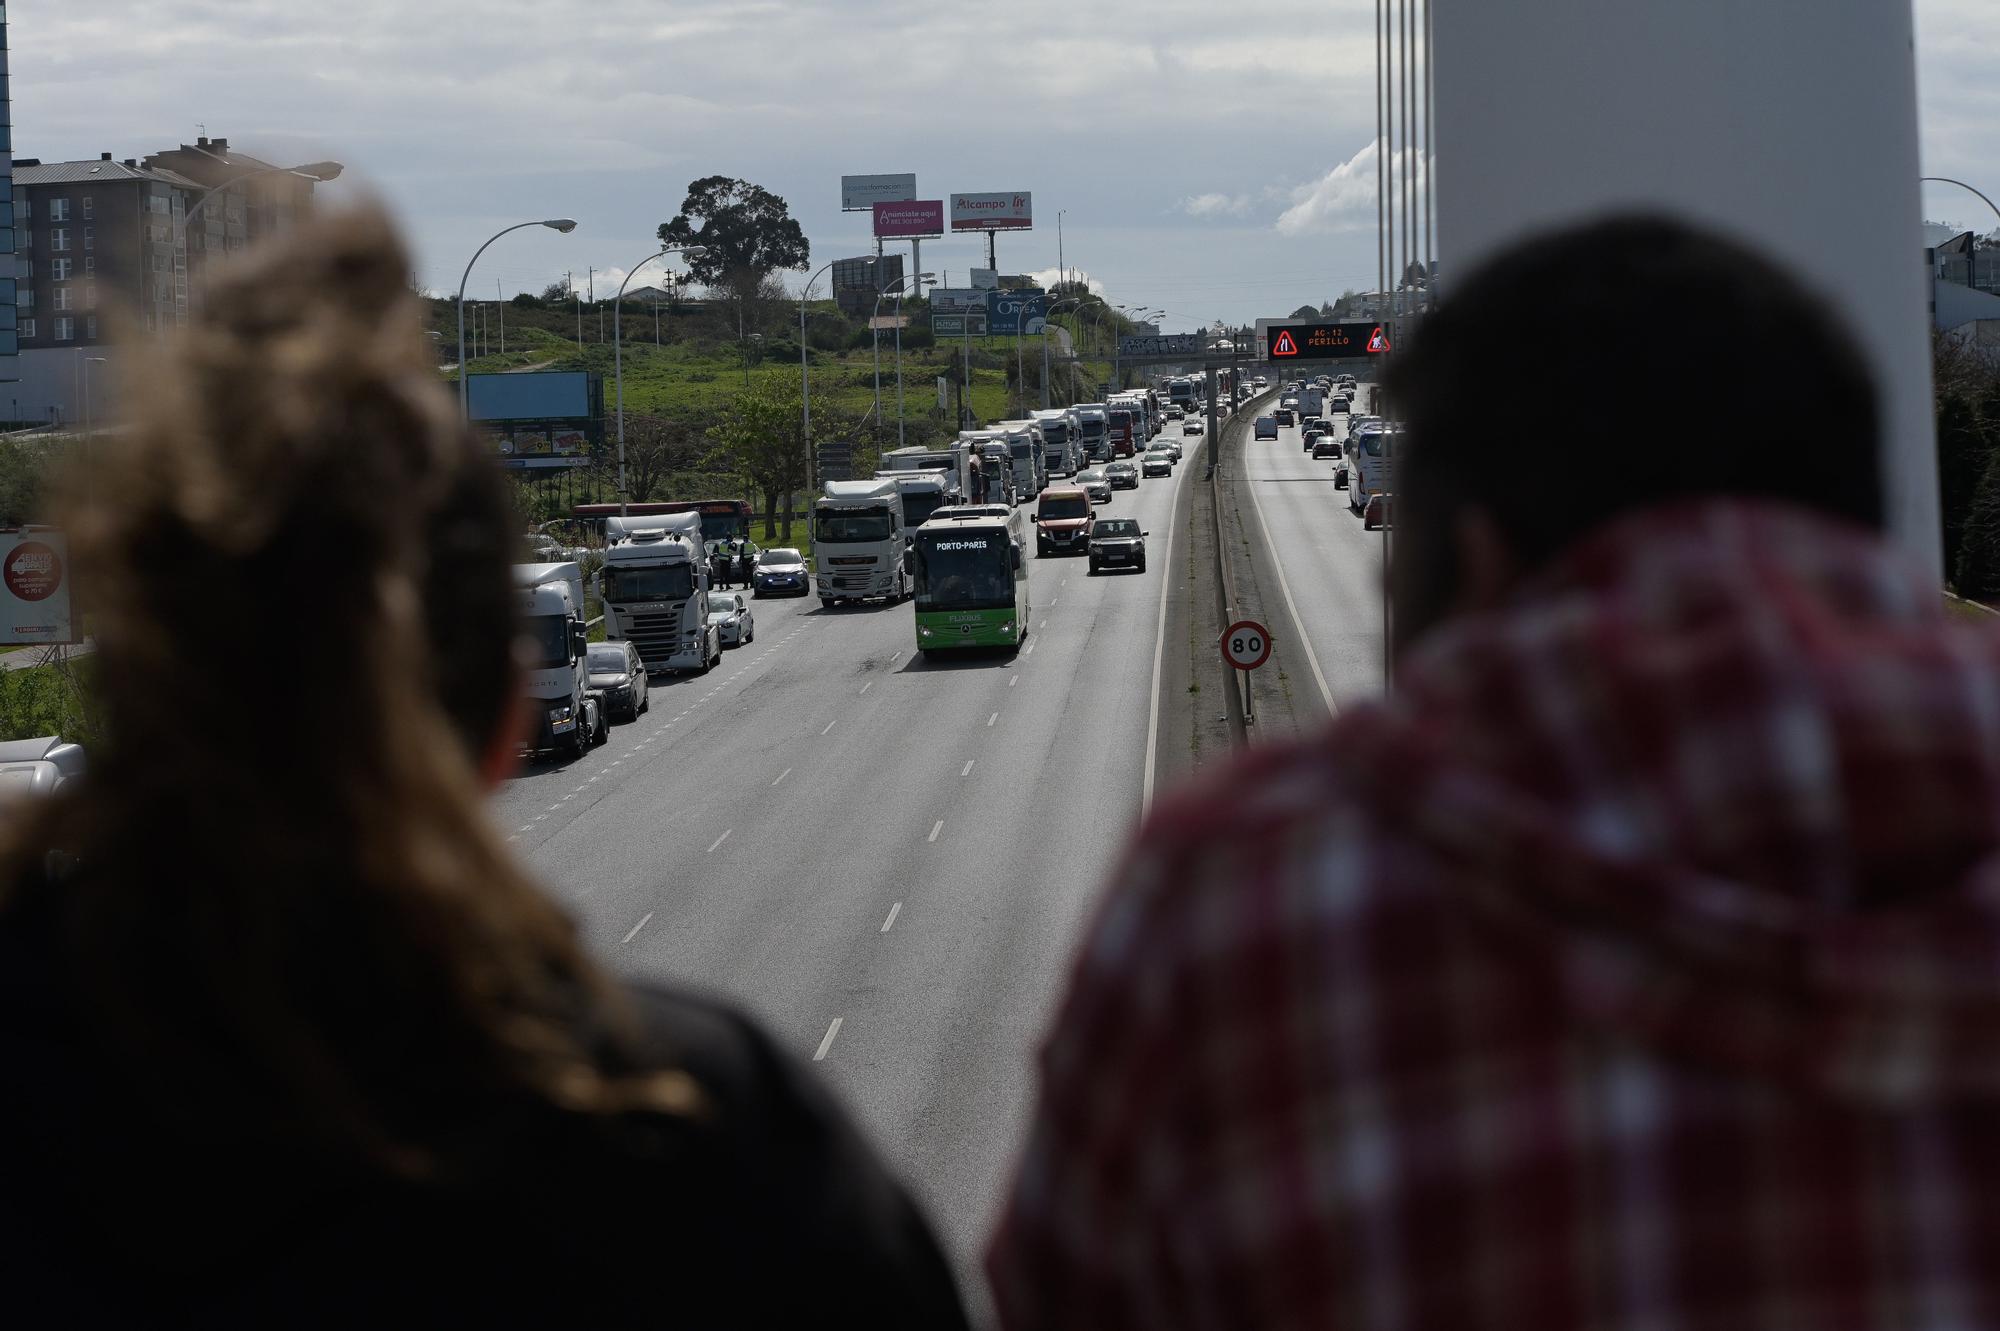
x=1789, y=123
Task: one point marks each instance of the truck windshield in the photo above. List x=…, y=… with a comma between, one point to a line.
x=1092, y=429
x=964, y=571
x=1021, y=448
x=1055, y=436
x=846, y=526
x=673, y=582
x=545, y=640
x=917, y=508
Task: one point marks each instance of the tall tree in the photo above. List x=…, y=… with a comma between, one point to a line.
x=748, y=232
x=656, y=447
x=758, y=434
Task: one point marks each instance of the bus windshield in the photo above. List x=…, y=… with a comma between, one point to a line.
x=964, y=571
x=848, y=526
x=670, y=582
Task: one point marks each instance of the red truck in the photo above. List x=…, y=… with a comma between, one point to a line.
x=1121, y=433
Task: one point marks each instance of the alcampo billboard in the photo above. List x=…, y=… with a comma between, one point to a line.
x=993, y=212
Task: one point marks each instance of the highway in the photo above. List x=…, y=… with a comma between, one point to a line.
x=1327, y=564
x=886, y=859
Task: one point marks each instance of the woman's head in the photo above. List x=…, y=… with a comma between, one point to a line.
x=297, y=563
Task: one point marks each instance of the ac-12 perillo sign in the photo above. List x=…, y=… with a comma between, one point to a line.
x=1324, y=341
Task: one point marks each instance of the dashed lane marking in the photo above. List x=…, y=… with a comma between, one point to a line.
x=865, y=687
x=634, y=933
x=894, y=911
x=782, y=775
x=827, y=1042
x=936, y=827
x=991, y=719
x=968, y=767
x=718, y=841
x=830, y=725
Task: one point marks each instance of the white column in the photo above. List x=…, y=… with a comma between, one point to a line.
x=1791, y=124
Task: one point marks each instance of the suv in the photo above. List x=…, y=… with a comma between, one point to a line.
x=1064, y=520
x=1267, y=427
x=1118, y=543
x=1285, y=416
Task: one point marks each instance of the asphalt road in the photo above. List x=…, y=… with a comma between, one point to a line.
x=1329, y=567
x=886, y=859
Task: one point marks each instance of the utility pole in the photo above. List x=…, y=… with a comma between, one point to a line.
x=590, y=281
x=500, y=303
x=577, y=296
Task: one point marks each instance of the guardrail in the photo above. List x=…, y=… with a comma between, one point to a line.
x=1240, y=702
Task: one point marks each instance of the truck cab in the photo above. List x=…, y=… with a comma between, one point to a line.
x=1027, y=452
x=858, y=542
x=569, y=716
x=1061, y=454
x=655, y=591
x=1094, y=429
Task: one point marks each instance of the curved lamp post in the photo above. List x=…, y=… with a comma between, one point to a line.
x=805, y=376
x=881, y=292
x=1947, y=180
x=1048, y=319
x=562, y=224
x=618, y=351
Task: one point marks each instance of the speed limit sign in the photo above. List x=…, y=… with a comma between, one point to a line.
x=1246, y=645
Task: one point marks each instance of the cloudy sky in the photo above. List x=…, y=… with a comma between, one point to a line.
x=1210, y=167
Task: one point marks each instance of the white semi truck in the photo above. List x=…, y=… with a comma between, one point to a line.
x=924, y=493
x=1028, y=451
x=858, y=540
x=1095, y=430
x=952, y=459
x=568, y=716
x=1062, y=447
x=655, y=591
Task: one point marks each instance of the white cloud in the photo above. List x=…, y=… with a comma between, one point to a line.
x=1215, y=205
x=1344, y=198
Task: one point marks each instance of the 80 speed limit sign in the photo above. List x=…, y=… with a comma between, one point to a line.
x=1246, y=645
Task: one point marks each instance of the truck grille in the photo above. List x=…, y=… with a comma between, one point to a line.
x=656, y=636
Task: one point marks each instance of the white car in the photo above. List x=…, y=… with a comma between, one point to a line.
x=730, y=613
x=1194, y=427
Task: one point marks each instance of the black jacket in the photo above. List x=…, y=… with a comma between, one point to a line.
x=769, y=1211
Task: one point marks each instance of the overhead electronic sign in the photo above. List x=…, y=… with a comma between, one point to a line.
x=1324, y=341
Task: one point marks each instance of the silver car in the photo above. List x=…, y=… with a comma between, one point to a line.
x=730, y=613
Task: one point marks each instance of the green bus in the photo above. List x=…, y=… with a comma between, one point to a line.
x=971, y=580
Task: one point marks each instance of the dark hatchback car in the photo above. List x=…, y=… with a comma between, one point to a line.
x=780, y=570
x=1118, y=543
x=1286, y=416
x=617, y=672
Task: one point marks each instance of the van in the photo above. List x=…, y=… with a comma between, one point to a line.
x=1064, y=521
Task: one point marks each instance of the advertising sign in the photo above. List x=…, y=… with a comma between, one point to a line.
x=986, y=279
x=858, y=194
x=1016, y=312
x=1325, y=341
x=992, y=212
x=957, y=300
x=1173, y=344
x=35, y=585
x=548, y=395
x=909, y=220
x=959, y=325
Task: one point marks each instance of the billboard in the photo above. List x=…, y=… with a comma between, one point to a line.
x=858, y=194
x=992, y=212
x=547, y=395
x=1327, y=341
x=958, y=300
x=35, y=586
x=1016, y=312
x=971, y=324
x=914, y=219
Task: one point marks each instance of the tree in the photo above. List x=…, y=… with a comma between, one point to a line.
x=1306, y=312
x=556, y=292
x=656, y=447
x=759, y=435
x=748, y=234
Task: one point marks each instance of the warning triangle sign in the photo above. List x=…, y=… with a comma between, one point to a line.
x=1284, y=346
x=1378, y=343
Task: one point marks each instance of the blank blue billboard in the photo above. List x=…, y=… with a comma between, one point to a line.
x=546, y=395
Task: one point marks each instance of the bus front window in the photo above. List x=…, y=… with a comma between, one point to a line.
x=965, y=572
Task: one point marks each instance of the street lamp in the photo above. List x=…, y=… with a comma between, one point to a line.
x=1048, y=319
x=618, y=351
x=562, y=224
x=881, y=292
x=1947, y=180
x=805, y=376
x=89, y=361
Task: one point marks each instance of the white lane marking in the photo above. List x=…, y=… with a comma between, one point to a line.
x=525, y=827
x=782, y=775
x=1053, y=600
x=968, y=767
x=936, y=827
x=830, y=725
x=513, y=838
x=554, y=807
x=892, y=659
x=718, y=841
x=1285, y=586
x=637, y=927
x=1029, y=650
x=1044, y=624
x=865, y=687
x=1160, y=645
x=991, y=719
x=1012, y=680
x=827, y=1043
x=894, y=911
